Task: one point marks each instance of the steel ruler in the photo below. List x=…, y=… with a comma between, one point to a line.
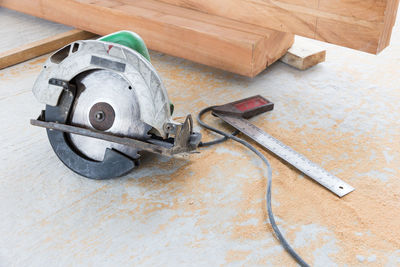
x=299, y=161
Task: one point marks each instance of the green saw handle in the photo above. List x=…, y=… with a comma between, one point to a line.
x=128, y=39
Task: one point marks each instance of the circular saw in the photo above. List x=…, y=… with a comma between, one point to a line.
x=105, y=103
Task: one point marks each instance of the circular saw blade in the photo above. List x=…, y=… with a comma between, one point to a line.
x=103, y=86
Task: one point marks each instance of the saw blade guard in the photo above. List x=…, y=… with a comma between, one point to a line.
x=82, y=56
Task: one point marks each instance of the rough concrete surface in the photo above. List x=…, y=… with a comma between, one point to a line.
x=208, y=209
x=19, y=29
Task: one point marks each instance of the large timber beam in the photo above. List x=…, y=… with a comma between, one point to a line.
x=364, y=25
x=208, y=39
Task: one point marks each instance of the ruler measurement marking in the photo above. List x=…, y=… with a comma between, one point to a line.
x=311, y=169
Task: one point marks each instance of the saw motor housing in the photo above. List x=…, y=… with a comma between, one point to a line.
x=104, y=103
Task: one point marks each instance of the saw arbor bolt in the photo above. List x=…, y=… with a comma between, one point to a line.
x=101, y=116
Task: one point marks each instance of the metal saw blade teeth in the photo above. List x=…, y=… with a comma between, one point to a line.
x=103, y=86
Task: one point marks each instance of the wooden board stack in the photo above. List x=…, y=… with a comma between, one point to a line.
x=218, y=42
x=240, y=36
x=364, y=25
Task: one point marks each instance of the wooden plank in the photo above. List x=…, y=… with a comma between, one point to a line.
x=391, y=11
x=233, y=46
x=364, y=25
x=272, y=47
x=41, y=47
x=303, y=55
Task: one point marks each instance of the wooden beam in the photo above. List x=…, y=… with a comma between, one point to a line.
x=219, y=42
x=271, y=48
x=303, y=55
x=41, y=47
x=364, y=25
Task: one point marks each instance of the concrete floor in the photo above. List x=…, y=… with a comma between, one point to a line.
x=19, y=29
x=207, y=209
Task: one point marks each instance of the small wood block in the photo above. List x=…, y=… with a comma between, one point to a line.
x=303, y=55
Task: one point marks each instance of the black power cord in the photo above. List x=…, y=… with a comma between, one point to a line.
x=232, y=136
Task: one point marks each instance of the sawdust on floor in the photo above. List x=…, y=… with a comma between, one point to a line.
x=364, y=224
x=222, y=189
x=361, y=224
